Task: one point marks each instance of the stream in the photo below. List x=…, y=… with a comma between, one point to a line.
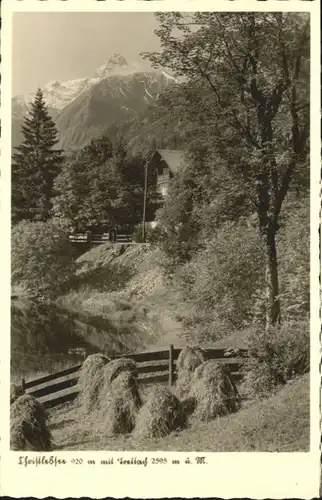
x=44, y=338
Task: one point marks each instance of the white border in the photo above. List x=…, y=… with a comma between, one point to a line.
x=227, y=475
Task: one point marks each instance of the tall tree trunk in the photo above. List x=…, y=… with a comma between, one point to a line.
x=273, y=309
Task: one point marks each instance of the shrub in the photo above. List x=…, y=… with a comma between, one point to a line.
x=276, y=355
x=152, y=234
x=42, y=257
x=219, y=283
x=294, y=260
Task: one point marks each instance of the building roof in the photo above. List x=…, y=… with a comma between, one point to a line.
x=173, y=157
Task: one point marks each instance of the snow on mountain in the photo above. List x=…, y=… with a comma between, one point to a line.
x=82, y=108
x=59, y=94
x=19, y=106
x=118, y=97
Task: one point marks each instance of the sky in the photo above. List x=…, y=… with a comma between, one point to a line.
x=63, y=46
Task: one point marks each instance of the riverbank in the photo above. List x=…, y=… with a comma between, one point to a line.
x=125, y=287
x=120, y=300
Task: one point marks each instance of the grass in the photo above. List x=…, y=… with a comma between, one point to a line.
x=144, y=311
x=278, y=424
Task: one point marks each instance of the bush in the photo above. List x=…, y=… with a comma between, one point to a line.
x=276, y=355
x=180, y=243
x=219, y=283
x=42, y=257
x=152, y=235
x=294, y=259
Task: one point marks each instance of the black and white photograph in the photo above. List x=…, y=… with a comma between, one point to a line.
x=160, y=218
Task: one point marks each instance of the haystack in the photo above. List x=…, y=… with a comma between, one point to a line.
x=117, y=366
x=214, y=391
x=91, y=380
x=120, y=405
x=15, y=391
x=189, y=359
x=161, y=414
x=28, y=425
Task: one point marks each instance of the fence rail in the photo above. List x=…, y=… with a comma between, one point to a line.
x=99, y=238
x=153, y=367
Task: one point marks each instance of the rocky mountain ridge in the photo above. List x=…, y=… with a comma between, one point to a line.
x=84, y=107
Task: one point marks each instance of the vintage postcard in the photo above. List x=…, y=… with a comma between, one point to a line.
x=160, y=177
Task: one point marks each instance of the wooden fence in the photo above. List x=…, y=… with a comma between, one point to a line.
x=153, y=367
x=98, y=238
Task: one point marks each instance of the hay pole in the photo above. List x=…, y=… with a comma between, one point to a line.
x=171, y=365
x=23, y=385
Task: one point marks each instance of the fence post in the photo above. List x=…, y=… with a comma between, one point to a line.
x=170, y=365
x=23, y=385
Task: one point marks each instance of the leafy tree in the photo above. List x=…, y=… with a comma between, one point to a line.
x=179, y=219
x=42, y=258
x=245, y=85
x=219, y=282
x=36, y=163
x=102, y=185
x=72, y=188
x=84, y=176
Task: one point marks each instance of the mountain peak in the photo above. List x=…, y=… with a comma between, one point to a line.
x=114, y=64
x=117, y=60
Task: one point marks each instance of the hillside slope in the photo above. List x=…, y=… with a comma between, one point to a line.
x=125, y=287
x=85, y=107
x=115, y=99
x=278, y=424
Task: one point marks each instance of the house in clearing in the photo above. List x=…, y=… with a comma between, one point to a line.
x=165, y=163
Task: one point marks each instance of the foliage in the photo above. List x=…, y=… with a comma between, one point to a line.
x=244, y=93
x=294, y=262
x=201, y=197
x=153, y=235
x=276, y=356
x=36, y=163
x=102, y=186
x=224, y=282
x=42, y=257
x=219, y=282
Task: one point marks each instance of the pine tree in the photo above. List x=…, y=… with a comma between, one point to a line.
x=36, y=163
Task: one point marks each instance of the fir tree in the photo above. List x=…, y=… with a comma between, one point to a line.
x=36, y=163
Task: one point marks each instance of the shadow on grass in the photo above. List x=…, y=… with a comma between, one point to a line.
x=109, y=278
x=62, y=424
